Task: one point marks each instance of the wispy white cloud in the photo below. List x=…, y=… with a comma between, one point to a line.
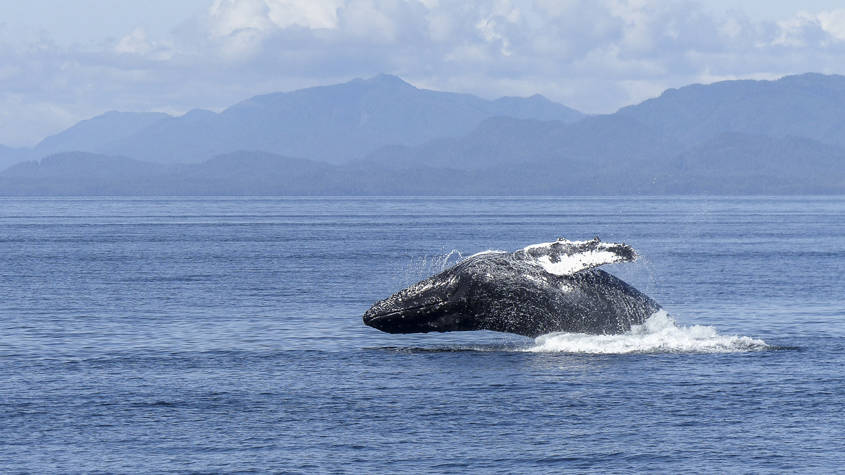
x=595, y=55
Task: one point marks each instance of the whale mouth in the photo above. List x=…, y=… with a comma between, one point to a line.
x=407, y=319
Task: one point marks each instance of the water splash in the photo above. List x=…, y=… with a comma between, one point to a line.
x=659, y=334
x=427, y=266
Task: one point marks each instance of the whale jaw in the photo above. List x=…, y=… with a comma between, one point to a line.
x=431, y=318
x=437, y=304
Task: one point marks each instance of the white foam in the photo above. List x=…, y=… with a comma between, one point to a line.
x=658, y=334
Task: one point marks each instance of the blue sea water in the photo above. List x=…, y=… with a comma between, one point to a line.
x=225, y=334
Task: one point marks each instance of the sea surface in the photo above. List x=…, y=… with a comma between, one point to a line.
x=225, y=334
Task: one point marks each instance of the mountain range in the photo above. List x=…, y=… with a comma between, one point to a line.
x=383, y=136
x=329, y=123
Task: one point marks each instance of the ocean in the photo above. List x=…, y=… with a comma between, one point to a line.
x=225, y=334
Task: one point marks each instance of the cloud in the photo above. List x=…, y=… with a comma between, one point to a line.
x=134, y=43
x=228, y=16
x=596, y=55
x=833, y=23
x=812, y=29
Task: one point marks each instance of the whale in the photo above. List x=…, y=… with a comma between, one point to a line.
x=542, y=288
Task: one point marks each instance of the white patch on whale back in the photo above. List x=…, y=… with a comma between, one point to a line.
x=658, y=334
x=568, y=256
x=568, y=265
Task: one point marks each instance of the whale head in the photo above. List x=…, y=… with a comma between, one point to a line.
x=456, y=299
x=436, y=304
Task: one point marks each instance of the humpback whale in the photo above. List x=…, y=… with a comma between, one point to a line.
x=542, y=288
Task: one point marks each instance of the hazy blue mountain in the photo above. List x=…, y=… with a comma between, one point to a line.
x=742, y=163
x=245, y=173
x=736, y=137
x=730, y=164
x=730, y=137
x=535, y=107
x=193, y=137
x=592, y=144
x=330, y=123
x=808, y=105
x=82, y=173
x=496, y=141
x=237, y=173
x=98, y=133
x=12, y=155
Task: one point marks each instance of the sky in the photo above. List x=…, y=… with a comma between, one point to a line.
x=61, y=62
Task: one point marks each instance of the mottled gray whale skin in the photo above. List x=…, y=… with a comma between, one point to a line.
x=544, y=288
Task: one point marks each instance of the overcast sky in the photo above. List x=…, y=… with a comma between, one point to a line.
x=61, y=61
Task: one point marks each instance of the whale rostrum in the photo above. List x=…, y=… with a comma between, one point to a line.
x=542, y=288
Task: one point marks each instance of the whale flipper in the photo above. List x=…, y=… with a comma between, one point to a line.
x=564, y=257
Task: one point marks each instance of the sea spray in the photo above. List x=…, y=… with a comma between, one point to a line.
x=658, y=334
x=423, y=267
